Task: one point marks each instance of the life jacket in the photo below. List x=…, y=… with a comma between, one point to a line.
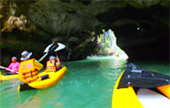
x=27, y=71
x=51, y=66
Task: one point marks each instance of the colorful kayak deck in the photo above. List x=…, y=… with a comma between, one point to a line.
x=134, y=96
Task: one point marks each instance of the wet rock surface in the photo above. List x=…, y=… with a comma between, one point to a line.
x=141, y=27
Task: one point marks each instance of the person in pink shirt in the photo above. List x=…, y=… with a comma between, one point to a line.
x=14, y=66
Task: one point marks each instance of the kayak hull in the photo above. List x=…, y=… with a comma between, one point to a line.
x=53, y=77
x=129, y=97
x=8, y=77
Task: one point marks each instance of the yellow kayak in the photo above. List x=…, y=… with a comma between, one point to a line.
x=140, y=88
x=52, y=78
x=7, y=77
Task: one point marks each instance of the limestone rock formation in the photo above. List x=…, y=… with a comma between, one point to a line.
x=139, y=25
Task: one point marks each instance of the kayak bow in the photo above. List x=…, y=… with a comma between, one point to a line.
x=140, y=88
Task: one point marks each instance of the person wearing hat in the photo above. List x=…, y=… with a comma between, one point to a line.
x=53, y=64
x=29, y=68
x=14, y=66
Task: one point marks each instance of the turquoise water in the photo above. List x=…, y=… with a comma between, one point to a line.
x=86, y=84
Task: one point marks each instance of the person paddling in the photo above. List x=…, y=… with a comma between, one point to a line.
x=14, y=66
x=53, y=64
x=29, y=68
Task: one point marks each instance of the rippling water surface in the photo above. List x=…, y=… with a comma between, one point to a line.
x=86, y=84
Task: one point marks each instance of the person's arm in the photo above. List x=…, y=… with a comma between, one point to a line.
x=58, y=61
x=10, y=66
x=38, y=65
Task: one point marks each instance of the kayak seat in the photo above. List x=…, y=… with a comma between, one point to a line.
x=44, y=77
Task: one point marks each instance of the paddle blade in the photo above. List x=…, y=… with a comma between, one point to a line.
x=2, y=67
x=49, y=47
x=60, y=47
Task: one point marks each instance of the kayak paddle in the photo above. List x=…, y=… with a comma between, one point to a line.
x=60, y=47
x=52, y=47
x=2, y=67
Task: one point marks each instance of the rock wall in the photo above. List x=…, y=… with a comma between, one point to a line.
x=141, y=26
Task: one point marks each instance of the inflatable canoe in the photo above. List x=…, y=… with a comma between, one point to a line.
x=42, y=83
x=7, y=77
x=140, y=88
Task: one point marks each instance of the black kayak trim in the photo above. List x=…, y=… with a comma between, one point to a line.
x=24, y=87
x=139, y=77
